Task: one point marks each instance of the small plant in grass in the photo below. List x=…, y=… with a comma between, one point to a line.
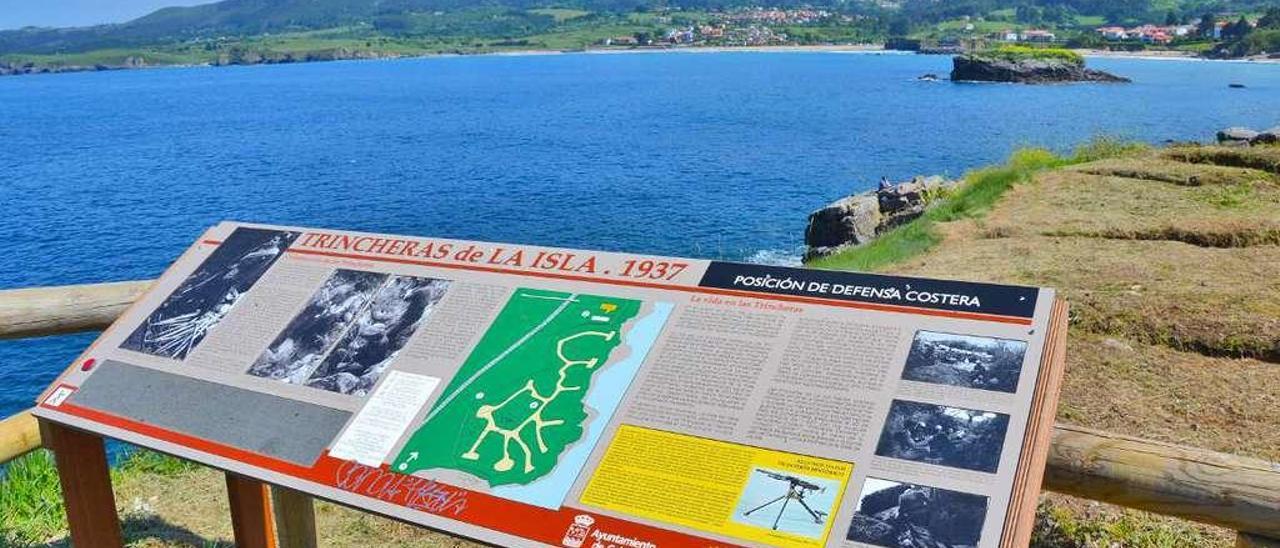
x=1230, y=196
x=31, y=510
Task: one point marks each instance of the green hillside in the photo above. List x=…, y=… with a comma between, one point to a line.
x=242, y=18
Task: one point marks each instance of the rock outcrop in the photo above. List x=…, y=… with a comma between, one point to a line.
x=1243, y=136
x=860, y=218
x=978, y=67
x=237, y=56
x=12, y=69
x=1267, y=137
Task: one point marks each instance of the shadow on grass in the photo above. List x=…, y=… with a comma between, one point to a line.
x=150, y=529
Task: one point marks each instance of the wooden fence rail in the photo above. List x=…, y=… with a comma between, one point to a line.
x=44, y=311
x=1225, y=490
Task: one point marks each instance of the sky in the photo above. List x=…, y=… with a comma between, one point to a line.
x=78, y=13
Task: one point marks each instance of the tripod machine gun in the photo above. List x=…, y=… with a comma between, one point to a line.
x=797, y=489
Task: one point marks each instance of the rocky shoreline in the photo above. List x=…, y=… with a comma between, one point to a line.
x=14, y=69
x=858, y=219
x=231, y=58
x=252, y=57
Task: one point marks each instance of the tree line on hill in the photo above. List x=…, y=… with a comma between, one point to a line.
x=513, y=19
x=1240, y=38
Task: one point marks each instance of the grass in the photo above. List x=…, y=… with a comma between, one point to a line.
x=31, y=509
x=1178, y=173
x=1063, y=526
x=1263, y=158
x=1147, y=248
x=980, y=190
x=1090, y=20
x=1105, y=147
x=1232, y=196
x=1022, y=53
x=168, y=502
x=561, y=14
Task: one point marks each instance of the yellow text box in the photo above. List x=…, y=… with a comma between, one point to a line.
x=724, y=488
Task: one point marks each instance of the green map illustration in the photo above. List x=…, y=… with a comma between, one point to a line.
x=518, y=400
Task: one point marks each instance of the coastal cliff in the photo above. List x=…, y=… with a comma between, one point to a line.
x=233, y=56
x=1027, y=66
x=858, y=219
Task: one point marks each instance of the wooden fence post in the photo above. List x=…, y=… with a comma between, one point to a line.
x=295, y=517
x=81, y=459
x=250, y=512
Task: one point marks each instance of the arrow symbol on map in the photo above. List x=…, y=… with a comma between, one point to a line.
x=412, y=457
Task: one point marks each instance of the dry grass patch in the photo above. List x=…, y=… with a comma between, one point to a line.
x=1215, y=301
x=1231, y=213
x=1265, y=158
x=1155, y=392
x=1233, y=234
x=1154, y=167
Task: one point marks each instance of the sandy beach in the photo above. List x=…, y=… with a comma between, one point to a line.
x=1153, y=55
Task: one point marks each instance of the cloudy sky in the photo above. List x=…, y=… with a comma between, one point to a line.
x=76, y=13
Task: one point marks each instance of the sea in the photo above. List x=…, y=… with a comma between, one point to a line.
x=108, y=176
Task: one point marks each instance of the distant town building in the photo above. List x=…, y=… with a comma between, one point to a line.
x=778, y=16
x=1113, y=33
x=711, y=32
x=621, y=41
x=1035, y=35
x=1151, y=34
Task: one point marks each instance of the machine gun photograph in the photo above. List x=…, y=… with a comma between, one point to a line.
x=787, y=502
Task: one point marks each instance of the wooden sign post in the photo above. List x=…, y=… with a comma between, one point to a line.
x=93, y=522
x=85, y=478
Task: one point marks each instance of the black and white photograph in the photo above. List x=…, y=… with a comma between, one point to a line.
x=943, y=435
x=299, y=349
x=378, y=334
x=181, y=322
x=350, y=331
x=908, y=515
x=985, y=363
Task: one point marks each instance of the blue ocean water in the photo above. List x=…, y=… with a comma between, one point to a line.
x=109, y=176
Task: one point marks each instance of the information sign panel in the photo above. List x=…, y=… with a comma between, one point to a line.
x=524, y=395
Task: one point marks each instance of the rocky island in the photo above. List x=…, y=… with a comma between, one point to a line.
x=1026, y=65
